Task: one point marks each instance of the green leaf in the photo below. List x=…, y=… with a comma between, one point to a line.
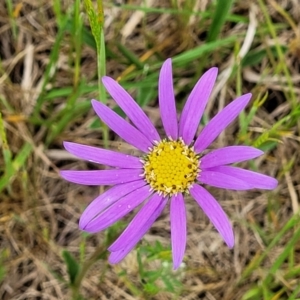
x=72, y=266
x=151, y=288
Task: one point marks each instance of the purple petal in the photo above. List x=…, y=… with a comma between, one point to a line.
x=126, y=131
x=253, y=179
x=103, y=156
x=137, y=223
x=107, y=199
x=118, y=210
x=219, y=122
x=195, y=105
x=167, y=100
x=117, y=256
x=102, y=177
x=131, y=109
x=214, y=212
x=178, y=229
x=223, y=181
x=229, y=155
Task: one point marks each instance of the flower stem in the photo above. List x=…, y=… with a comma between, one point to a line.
x=100, y=250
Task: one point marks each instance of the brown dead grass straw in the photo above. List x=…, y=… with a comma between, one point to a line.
x=39, y=212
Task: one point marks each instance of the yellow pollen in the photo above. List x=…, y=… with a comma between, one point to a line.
x=171, y=167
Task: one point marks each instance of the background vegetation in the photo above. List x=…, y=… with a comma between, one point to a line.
x=49, y=73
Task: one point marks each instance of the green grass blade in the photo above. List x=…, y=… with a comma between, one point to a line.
x=17, y=163
x=132, y=58
x=77, y=42
x=9, y=5
x=51, y=65
x=281, y=64
x=284, y=255
x=295, y=294
x=289, y=225
x=5, y=148
x=219, y=18
x=195, y=53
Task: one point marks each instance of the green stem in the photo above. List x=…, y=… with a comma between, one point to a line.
x=84, y=269
x=96, y=19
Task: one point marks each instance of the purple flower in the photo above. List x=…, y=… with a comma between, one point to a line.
x=168, y=169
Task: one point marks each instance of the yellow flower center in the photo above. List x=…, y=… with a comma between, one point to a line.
x=171, y=167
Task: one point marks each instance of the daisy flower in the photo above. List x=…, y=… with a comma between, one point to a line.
x=169, y=167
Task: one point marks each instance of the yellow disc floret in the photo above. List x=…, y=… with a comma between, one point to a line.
x=171, y=167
